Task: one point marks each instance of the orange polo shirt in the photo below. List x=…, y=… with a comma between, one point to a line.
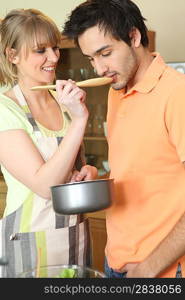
x=146, y=137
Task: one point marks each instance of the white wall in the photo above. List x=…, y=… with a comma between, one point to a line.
x=166, y=17
x=57, y=9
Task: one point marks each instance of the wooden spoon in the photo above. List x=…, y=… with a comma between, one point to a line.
x=85, y=83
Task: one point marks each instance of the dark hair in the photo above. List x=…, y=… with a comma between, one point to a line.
x=117, y=17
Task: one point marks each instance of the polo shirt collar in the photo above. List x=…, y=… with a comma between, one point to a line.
x=150, y=78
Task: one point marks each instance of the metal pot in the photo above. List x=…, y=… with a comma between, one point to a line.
x=82, y=197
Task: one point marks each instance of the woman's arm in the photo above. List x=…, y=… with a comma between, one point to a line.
x=21, y=158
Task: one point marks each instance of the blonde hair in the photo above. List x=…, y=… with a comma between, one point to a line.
x=24, y=26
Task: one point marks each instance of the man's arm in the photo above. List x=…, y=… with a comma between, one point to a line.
x=164, y=255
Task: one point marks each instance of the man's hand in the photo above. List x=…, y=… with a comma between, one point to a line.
x=136, y=270
x=87, y=172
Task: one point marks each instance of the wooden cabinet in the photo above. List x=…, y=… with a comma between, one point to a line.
x=151, y=36
x=98, y=238
x=73, y=65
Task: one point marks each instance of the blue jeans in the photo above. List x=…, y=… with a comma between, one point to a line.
x=110, y=273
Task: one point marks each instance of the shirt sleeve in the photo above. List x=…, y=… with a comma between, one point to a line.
x=10, y=118
x=175, y=120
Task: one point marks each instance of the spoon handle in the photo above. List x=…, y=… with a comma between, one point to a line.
x=85, y=83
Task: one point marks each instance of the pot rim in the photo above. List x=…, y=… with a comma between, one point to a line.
x=82, y=182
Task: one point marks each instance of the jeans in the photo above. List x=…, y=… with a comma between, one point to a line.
x=110, y=273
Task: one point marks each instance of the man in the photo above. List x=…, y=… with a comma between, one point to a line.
x=146, y=137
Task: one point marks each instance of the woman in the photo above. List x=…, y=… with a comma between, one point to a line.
x=40, y=135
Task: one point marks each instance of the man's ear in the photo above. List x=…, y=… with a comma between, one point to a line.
x=12, y=57
x=135, y=37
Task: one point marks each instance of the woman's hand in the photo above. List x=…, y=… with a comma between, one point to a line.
x=72, y=97
x=87, y=172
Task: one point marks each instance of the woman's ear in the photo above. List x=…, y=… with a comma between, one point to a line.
x=12, y=57
x=135, y=37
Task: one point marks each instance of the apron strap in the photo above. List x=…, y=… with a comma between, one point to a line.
x=22, y=101
x=19, y=95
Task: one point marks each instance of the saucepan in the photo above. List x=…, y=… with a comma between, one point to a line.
x=83, y=196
